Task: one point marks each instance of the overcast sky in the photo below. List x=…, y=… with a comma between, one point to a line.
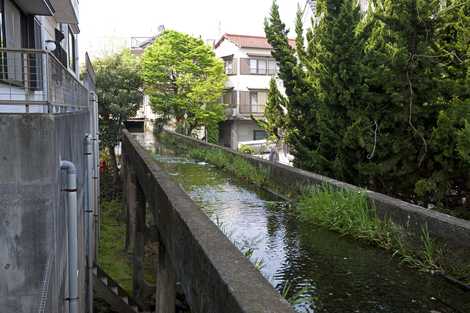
x=107, y=25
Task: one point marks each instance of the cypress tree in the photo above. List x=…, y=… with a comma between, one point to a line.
x=416, y=72
x=301, y=104
x=381, y=99
x=275, y=118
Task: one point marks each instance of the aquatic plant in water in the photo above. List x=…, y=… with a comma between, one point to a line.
x=350, y=213
x=233, y=164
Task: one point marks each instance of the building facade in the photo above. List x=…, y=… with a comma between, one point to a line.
x=39, y=54
x=250, y=67
x=49, y=177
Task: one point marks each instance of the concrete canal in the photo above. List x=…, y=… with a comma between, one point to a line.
x=318, y=269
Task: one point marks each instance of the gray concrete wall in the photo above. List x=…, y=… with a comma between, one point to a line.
x=33, y=214
x=454, y=232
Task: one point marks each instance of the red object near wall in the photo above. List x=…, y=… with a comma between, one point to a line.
x=102, y=166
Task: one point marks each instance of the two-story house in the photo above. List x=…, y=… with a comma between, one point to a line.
x=250, y=67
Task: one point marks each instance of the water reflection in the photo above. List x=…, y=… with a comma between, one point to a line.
x=336, y=274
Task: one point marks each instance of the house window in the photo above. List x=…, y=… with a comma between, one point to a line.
x=262, y=67
x=259, y=134
x=12, y=19
x=71, y=51
x=12, y=26
x=253, y=66
x=230, y=98
x=229, y=66
x=272, y=67
x=253, y=98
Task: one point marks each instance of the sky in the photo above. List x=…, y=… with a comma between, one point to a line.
x=107, y=25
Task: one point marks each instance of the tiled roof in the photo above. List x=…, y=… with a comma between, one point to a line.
x=245, y=41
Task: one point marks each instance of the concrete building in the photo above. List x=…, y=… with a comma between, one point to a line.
x=48, y=161
x=250, y=67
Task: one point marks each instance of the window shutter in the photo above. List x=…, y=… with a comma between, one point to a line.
x=13, y=41
x=234, y=99
x=262, y=97
x=245, y=66
x=234, y=66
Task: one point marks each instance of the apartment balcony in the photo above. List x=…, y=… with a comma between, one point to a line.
x=35, y=81
x=243, y=104
x=251, y=109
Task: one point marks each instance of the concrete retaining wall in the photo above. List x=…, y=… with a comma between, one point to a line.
x=214, y=275
x=33, y=215
x=453, y=231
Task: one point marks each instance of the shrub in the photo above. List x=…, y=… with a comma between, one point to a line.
x=246, y=149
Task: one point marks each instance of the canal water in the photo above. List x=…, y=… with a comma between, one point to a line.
x=332, y=273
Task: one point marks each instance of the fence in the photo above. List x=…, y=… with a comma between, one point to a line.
x=35, y=81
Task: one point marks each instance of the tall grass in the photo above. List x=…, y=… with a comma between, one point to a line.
x=113, y=257
x=350, y=213
x=233, y=164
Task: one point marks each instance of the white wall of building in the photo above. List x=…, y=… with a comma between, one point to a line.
x=238, y=81
x=241, y=129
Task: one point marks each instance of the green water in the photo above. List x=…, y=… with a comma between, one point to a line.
x=333, y=273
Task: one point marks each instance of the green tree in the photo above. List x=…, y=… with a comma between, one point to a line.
x=381, y=98
x=185, y=81
x=300, y=122
x=323, y=83
x=419, y=50
x=275, y=118
x=119, y=90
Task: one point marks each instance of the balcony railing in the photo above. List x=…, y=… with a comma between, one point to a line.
x=248, y=108
x=34, y=81
x=247, y=102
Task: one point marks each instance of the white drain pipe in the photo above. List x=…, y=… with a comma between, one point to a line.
x=72, y=235
x=89, y=212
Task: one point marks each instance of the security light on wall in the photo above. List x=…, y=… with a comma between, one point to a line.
x=50, y=45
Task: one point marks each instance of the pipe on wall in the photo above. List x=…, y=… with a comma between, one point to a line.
x=96, y=169
x=72, y=235
x=89, y=216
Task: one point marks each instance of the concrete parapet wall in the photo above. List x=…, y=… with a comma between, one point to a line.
x=214, y=275
x=453, y=231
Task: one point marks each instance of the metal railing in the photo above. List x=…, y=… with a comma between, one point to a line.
x=242, y=100
x=249, y=108
x=34, y=81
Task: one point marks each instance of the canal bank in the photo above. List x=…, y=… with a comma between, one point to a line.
x=331, y=272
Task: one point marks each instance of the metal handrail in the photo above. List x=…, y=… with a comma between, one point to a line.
x=36, y=78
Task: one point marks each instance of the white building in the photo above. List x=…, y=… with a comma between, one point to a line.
x=250, y=67
x=39, y=66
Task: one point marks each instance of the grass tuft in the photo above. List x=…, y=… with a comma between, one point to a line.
x=349, y=213
x=112, y=255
